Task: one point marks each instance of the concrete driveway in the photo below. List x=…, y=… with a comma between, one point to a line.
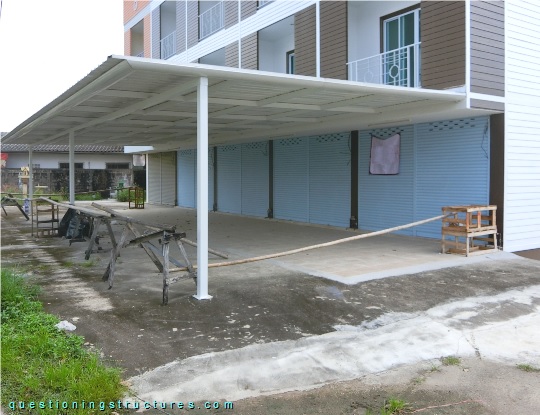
x=296, y=323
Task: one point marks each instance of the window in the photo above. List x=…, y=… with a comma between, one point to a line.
x=290, y=62
x=117, y=166
x=401, y=39
x=66, y=165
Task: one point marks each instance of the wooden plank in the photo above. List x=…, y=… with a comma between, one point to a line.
x=165, y=272
x=148, y=251
x=157, y=226
x=97, y=223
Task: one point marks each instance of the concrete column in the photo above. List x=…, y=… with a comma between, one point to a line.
x=71, y=168
x=202, y=190
x=30, y=173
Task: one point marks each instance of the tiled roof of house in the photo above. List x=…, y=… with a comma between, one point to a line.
x=49, y=148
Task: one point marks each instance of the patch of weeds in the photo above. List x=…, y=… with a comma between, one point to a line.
x=394, y=407
x=68, y=263
x=450, y=361
x=40, y=362
x=419, y=380
x=434, y=368
x=528, y=368
x=88, y=264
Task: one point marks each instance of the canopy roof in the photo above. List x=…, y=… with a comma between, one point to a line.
x=138, y=101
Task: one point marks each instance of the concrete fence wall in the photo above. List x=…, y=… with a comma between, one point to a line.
x=57, y=180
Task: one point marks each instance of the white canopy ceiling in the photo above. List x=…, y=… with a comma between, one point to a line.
x=138, y=101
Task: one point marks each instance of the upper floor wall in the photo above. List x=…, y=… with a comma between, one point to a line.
x=429, y=44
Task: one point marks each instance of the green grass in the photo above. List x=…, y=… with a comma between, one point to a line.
x=41, y=363
x=88, y=196
x=394, y=406
x=528, y=368
x=451, y=361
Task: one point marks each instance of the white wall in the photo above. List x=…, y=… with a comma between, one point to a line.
x=51, y=160
x=522, y=123
x=364, y=25
x=273, y=49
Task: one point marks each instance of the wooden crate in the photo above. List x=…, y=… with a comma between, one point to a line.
x=469, y=230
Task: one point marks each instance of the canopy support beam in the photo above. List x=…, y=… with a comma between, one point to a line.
x=202, y=190
x=72, y=168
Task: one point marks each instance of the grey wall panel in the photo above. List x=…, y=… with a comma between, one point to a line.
x=330, y=179
x=168, y=178
x=304, y=40
x=231, y=55
x=452, y=168
x=250, y=48
x=442, y=25
x=334, y=39
x=487, y=47
x=156, y=33
x=291, y=182
x=249, y=8
x=231, y=13
x=154, y=178
x=180, y=26
x=186, y=178
x=229, y=179
x=386, y=200
x=255, y=179
x=193, y=22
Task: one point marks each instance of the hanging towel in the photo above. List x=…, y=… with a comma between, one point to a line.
x=385, y=155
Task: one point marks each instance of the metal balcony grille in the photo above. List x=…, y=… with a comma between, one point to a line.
x=211, y=20
x=398, y=67
x=168, y=45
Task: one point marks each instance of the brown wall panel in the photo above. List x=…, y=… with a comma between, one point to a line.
x=147, y=35
x=334, y=39
x=127, y=43
x=250, y=47
x=131, y=8
x=443, y=44
x=231, y=55
x=304, y=42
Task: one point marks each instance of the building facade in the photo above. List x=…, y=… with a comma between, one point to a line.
x=486, y=49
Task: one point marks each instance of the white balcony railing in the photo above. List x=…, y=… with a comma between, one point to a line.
x=168, y=45
x=263, y=3
x=399, y=67
x=140, y=55
x=211, y=20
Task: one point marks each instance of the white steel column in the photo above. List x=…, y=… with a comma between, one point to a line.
x=30, y=173
x=71, y=168
x=202, y=190
x=318, y=38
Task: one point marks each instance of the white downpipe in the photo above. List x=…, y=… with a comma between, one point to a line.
x=318, y=38
x=468, y=51
x=202, y=190
x=30, y=173
x=186, y=27
x=72, y=168
x=240, y=34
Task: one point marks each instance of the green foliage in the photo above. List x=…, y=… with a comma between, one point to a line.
x=394, y=407
x=122, y=195
x=451, y=361
x=42, y=363
x=528, y=368
x=88, y=196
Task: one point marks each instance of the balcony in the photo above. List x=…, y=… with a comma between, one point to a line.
x=211, y=20
x=398, y=67
x=168, y=45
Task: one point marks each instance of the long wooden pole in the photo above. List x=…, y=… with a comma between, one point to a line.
x=308, y=248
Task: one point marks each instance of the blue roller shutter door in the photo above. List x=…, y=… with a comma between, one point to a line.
x=452, y=168
x=229, y=179
x=330, y=180
x=255, y=179
x=291, y=181
x=386, y=201
x=186, y=178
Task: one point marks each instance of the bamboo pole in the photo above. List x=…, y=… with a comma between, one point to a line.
x=308, y=248
x=156, y=226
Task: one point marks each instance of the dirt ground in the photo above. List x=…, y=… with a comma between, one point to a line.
x=129, y=327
